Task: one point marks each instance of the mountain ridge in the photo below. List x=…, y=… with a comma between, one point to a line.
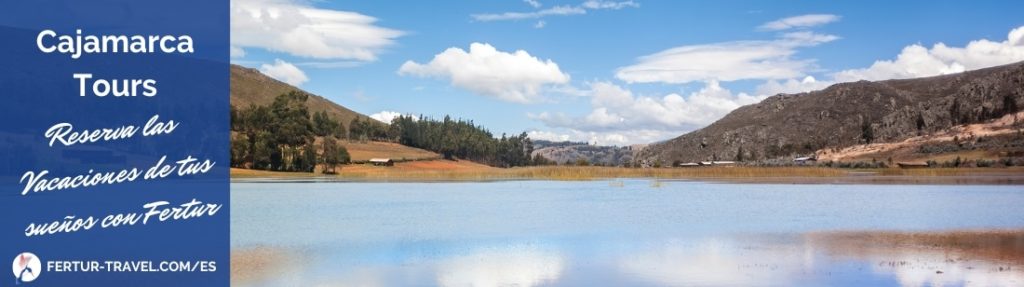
x=847, y=114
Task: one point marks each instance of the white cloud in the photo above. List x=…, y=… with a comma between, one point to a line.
x=562, y=10
x=285, y=72
x=806, y=38
x=548, y=136
x=533, y=3
x=914, y=61
x=387, y=116
x=236, y=52
x=619, y=117
x=791, y=86
x=553, y=11
x=726, y=61
x=330, y=64
x=604, y=138
x=540, y=24
x=802, y=21
x=293, y=27
x=917, y=61
x=670, y=112
x=515, y=77
x=613, y=5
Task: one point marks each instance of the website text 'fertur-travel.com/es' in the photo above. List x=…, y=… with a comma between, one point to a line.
x=130, y=266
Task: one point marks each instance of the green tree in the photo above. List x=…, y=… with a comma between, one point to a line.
x=1009, y=104
x=239, y=151
x=323, y=125
x=452, y=138
x=291, y=125
x=272, y=134
x=235, y=120
x=582, y=161
x=867, y=131
x=333, y=156
x=308, y=162
x=253, y=124
x=343, y=157
x=357, y=130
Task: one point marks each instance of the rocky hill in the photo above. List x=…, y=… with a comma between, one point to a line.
x=573, y=152
x=848, y=114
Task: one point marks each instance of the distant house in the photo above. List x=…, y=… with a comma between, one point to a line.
x=723, y=162
x=805, y=160
x=382, y=162
x=689, y=164
x=717, y=162
x=912, y=164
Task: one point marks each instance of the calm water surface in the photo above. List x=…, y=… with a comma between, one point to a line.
x=614, y=233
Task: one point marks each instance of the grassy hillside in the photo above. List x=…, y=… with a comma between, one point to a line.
x=364, y=151
x=250, y=87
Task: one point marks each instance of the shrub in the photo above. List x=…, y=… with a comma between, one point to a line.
x=984, y=163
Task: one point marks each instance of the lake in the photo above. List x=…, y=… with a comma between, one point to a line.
x=634, y=232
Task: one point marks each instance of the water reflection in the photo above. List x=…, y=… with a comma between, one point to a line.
x=967, y=258
x=538, y=233
x=504, y=265
x=987, y=258
x=716, y=262
x=512, y=266
x=938, y=268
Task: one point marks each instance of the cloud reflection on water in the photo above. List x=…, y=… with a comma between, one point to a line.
x=921, y=268
x=871, y=258
x=965, y=258
x=715, y=262
x=988, y=258
x=517, y=265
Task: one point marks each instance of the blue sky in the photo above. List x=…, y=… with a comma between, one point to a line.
x=609, y=72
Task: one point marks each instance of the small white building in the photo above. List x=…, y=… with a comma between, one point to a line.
x=805, y=160
x=382, y=162
x=718, y=162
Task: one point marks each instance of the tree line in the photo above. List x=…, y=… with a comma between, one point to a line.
x=464, y=140
x=283, y=136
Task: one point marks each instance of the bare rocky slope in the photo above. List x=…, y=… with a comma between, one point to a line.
x=571, y=153
x=788, y=125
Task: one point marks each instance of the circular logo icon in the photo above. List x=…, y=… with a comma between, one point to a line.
x=26, y=267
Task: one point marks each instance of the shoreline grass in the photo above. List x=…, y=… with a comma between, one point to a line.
x=483, y=173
